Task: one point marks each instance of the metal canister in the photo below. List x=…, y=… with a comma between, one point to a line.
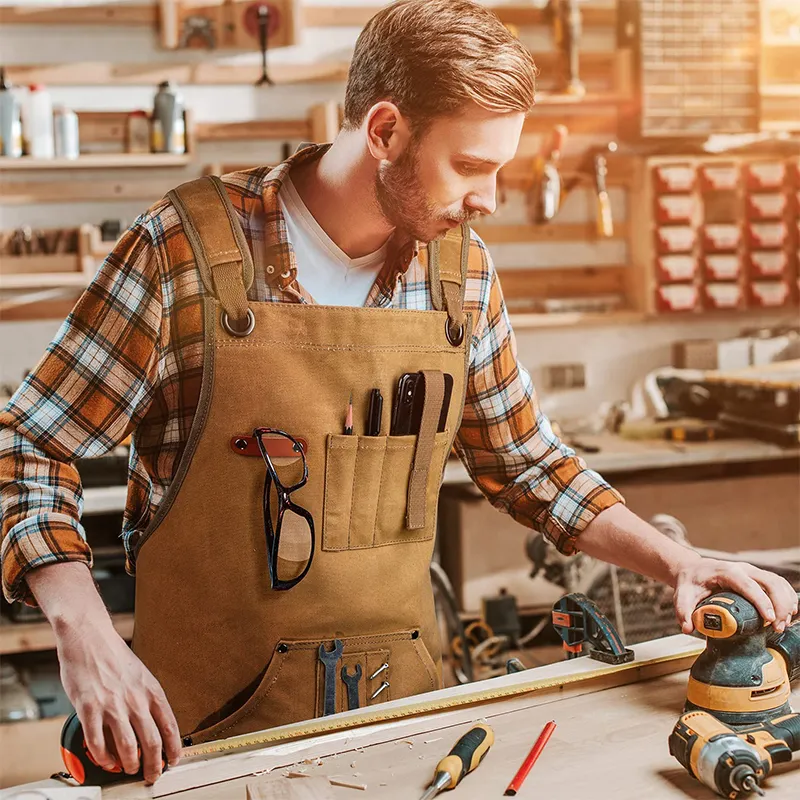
x=66, y=132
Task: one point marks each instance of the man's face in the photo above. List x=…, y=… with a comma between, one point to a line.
x=448, y=176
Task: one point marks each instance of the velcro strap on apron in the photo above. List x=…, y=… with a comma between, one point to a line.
x=447, y=269
x=418, y=482
x=217, y=240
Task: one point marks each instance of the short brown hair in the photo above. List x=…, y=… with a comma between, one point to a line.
x=431, y=57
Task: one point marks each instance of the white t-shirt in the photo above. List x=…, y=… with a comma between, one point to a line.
x=323, y=269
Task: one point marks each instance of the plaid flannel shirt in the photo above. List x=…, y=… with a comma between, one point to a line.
x=128, y=360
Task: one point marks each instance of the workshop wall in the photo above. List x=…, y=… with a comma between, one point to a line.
x=614, y=355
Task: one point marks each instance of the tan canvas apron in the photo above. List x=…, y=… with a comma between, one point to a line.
x=232, y=654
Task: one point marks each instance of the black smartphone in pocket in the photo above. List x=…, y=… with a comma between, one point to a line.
x=408, y=402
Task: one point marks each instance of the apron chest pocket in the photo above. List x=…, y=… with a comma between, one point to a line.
x=366, y=490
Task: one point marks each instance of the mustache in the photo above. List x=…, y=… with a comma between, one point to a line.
x=465, y=216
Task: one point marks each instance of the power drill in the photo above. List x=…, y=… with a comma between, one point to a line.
x=738, y=722
x=728, y=761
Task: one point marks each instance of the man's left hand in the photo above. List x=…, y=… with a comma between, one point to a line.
x=771, y=594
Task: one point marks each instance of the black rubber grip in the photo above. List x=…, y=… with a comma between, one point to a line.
x=466, y=746
x=787, y=729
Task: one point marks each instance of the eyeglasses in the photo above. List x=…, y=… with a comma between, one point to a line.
x=289, y=528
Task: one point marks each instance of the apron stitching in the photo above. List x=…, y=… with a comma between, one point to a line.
x=352, y=498
x=339, y=348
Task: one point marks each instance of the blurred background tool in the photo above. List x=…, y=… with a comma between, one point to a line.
x=605, y=224
x=465, y=756
x=565, y=17
x=546, y=190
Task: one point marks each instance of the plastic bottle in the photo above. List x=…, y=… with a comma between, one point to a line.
x=10, y=121
x=168, y=133
x=37, y=123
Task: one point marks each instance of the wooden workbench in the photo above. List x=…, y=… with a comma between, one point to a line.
x=611, y=742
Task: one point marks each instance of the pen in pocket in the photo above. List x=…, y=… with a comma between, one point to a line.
x=348, y=422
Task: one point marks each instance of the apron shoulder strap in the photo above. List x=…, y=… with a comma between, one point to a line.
x=448, y=259
x=218, y=242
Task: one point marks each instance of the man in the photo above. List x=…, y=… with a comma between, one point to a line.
x=192, y=343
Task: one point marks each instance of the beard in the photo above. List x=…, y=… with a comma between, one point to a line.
x=406, y=205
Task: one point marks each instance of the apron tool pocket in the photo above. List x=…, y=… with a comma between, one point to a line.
x=366, y=490
x=291, y=688
x=281, y=695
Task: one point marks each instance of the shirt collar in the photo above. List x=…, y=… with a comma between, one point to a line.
x=401, y=251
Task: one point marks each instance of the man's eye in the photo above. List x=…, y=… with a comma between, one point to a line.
x=467, y=169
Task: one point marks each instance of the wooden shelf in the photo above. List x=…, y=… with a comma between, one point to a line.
x=28, y=637
x=96, y=161
x=31, y=752
x=574, y=319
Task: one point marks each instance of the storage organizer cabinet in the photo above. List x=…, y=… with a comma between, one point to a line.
x=717, y=233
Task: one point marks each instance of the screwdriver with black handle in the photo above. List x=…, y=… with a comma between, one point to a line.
x=465, y=756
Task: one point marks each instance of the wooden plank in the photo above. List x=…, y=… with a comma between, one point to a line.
x=210, y=73
x=253, y=129
x=557, y=282
x=24, y=192
x=26, y=637
x=100, y=14
x=206, y=73
x=280, y=788
x=49, y=308
x=311, y=16
x=567, y=319
x=97, y=161
x=552, y=232
x=396, y=720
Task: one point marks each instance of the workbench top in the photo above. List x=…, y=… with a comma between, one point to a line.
x=618, y=455
x=610, y=743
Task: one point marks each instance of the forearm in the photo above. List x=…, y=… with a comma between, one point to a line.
x=619, y=537
x=68, y=597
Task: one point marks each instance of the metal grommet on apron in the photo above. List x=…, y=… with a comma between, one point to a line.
x=250, y=325
x=454, y=336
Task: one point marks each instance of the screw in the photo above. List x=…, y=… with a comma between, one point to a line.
x=381, y=668
x=384, y=685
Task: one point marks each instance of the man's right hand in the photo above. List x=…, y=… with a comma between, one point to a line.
x=117, y=699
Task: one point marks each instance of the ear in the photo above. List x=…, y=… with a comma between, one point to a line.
x=387, y=131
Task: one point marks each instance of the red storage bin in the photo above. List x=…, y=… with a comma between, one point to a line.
x=717, y=177
x=770, y=294
x=674, y=178
x=767, y=235
x=676, y=268
x=671, y=208
x=765, y=175
x=771, y=205
x=677, y=297
x=722, y=267
x=720, y=296
x=675, y=238
x=768, y=263
x=722, y=237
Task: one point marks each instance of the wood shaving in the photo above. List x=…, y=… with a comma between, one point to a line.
x=347, y=784
x=430, y=741
x=297, y=775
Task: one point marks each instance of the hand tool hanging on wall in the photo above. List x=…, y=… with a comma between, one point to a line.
x=605, y=223
x=546, y=190
x=466, y=755
x=263, y=16
x=330, y=660
x=584, y=629
x=565, y=16
x=198, y=30
x=351, y=682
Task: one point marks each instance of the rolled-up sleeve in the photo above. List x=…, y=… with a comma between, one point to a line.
x=90, y=389
x=507, y=443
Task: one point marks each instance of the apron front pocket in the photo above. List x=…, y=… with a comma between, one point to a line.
x=366, y=490
x=292, y=687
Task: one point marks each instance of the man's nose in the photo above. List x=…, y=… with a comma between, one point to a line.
x=484, y=200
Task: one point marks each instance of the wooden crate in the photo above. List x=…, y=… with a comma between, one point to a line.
x=46, y=270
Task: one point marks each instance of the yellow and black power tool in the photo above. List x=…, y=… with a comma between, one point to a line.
x=738, y=722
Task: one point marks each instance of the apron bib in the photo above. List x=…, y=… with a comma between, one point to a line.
x=232, y=654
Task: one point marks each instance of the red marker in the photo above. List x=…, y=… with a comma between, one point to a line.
x=527, y=765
